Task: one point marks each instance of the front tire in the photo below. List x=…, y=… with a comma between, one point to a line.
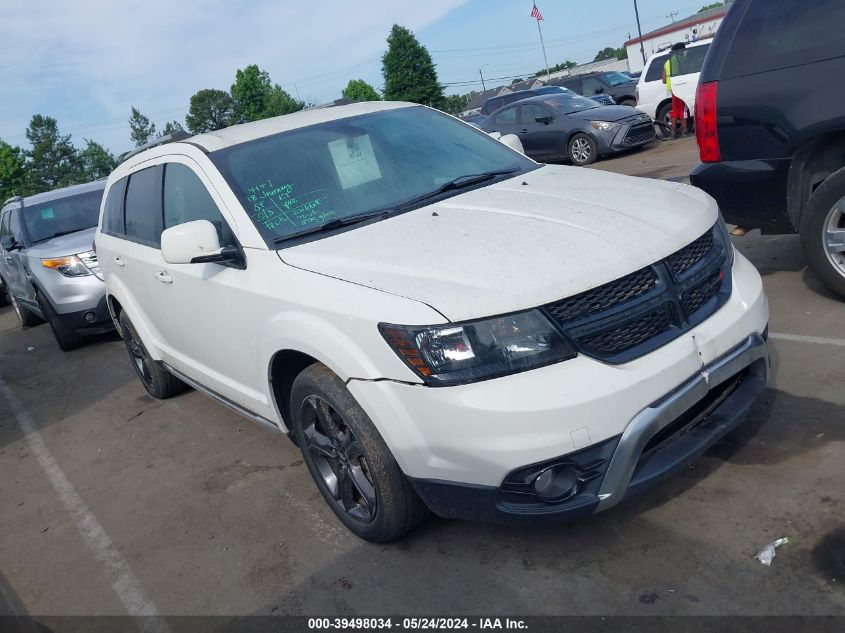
x=582, y=149
x=66, y=338
x=348, y=459
x=823, y=232
x=25, y=315
x=158, y=382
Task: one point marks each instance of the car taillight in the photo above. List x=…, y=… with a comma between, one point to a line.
x=706, y=131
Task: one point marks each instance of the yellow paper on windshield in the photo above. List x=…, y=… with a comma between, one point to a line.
x=354, y=160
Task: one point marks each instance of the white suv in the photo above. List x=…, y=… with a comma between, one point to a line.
x=652, y=97
x=439, y=322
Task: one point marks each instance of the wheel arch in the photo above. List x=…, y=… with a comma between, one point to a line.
x=285, y=365
x=815, y=161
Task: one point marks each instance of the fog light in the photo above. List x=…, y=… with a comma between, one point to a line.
x=556, y=483
x=90, y=317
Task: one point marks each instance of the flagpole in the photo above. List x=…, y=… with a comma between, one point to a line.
x=543, y=46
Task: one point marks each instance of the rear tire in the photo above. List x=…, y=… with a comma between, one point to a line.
x=158, y=382
x=663, y=123
x=823, y=233
x=67, y=338
x=582, y=149
x=352, y=466
x=4, y=294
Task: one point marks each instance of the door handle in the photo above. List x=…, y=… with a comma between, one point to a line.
x=163, y=277
x=524, y=131
x=119, y=262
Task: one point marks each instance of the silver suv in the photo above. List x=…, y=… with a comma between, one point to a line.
x=47, y=262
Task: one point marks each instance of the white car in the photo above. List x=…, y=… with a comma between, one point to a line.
x=652, y=97
x=439, y=322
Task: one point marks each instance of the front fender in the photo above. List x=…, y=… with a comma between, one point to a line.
x=116, y=290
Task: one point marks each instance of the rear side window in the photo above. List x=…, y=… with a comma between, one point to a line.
x=186, y=199
x=506, y=117
x=113, y=222
x=143, y=206
x=655, y=69
x=776, y=34
x=693, y=59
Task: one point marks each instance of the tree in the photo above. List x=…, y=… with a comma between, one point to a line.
x=169, y=128
x=280, y=102
x=11, y=171
x=611, y=53
x=360, y=90
x=409, y=73
x=52, y=160
x=516, y=80
x=707, y=7
x=251, y=92
x=454, y=104
x=140, y=128
x=561, y=66
x=210, y=110
x=97, y=161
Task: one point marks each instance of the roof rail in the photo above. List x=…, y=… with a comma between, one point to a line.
x=13, y=199
x=178, y=135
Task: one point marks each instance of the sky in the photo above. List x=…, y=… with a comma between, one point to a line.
x=86, y=62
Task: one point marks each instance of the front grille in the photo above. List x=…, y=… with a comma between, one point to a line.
x=631, y=334
x=91, y=262
x=605, y=296
x=640, y=133
x=689, y=256
x=635, y=314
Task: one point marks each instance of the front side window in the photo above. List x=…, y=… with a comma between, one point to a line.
x=143, y=206
x=506, y=117
x=186, y=199
x=296, y=181
x=592, y=86
x=531, y=111
x=62, y=216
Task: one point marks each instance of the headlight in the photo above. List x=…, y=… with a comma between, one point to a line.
x=604, y=126
x=70, y=266
x=466, y=352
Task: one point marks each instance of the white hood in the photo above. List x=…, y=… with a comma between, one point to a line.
x=517, y=244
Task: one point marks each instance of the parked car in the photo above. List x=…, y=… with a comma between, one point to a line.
x=48, y=264
x=494, y=103
x=652, y=97
x=773, y=156
x=438, y=321
x=554, y=127
x=614, y=84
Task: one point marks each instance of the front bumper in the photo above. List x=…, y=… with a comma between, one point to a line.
x=90, y=320
x=474, y=436
x=630, y=135
x=751, y=193
x=660, y=440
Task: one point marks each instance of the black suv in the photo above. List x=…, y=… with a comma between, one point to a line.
x=618, y=85
x=770, y=123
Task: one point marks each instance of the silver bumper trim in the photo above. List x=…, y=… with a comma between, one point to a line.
x=659, y=414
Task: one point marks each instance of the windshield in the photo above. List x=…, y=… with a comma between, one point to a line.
x=614, y=78
x=569, y=103
x=62, y=216
x=297, y=180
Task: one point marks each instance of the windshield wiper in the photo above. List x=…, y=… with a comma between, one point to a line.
x=461, y=182
x=331, y=225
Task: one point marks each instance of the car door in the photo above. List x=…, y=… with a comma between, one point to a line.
x=592, y=86
x=14, y=263
x=538, y=139
x=192, y=310
x=685, y=84
x=575, y=85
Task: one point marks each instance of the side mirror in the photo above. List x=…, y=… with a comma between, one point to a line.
x=196, y=243
x=9, y=244
x=544, y=119
x=599, y=91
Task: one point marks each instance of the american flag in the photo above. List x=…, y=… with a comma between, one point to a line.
x=535, y=13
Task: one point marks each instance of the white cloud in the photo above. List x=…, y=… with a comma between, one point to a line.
x=86, y=62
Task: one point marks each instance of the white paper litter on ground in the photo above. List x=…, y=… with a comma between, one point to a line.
x=767, y=554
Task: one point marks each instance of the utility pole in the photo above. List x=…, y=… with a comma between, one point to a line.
x=640, y=31
x=543, y=46
x=483, y=87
